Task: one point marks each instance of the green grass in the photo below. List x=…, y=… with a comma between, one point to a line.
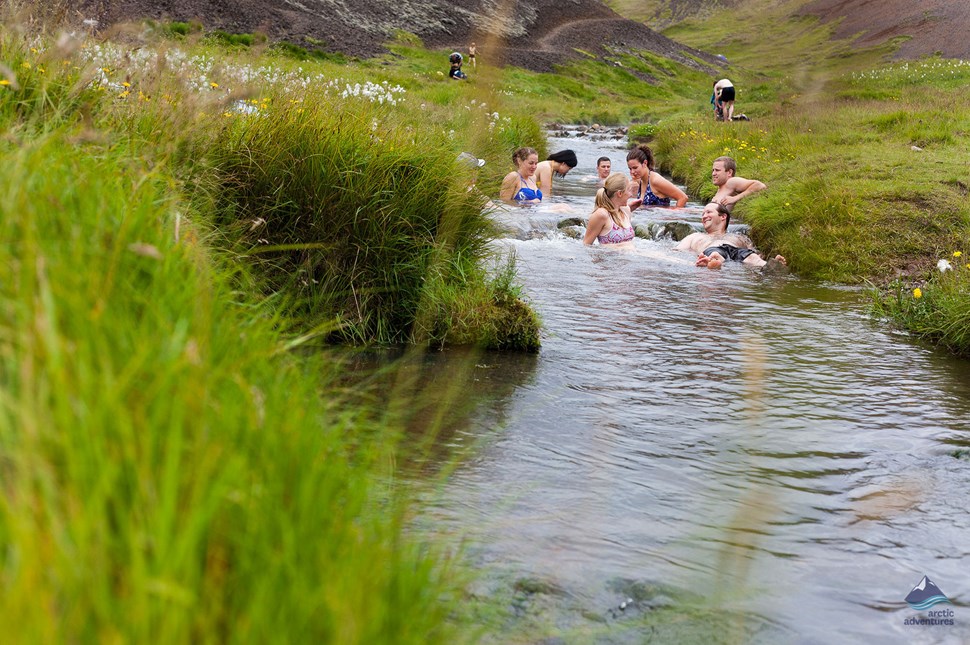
x=170, y=473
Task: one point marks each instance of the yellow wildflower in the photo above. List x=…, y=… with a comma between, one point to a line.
x=25, y=65
x=917, y=293
x=4, y=81
x=213, y=85
x=957, y=254
x=126, y=84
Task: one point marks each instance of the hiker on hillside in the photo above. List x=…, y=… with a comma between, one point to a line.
x=472, y=50
x=455, y=60
x=724, y=93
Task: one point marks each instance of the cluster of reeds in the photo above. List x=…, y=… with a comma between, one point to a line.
x=361, y=219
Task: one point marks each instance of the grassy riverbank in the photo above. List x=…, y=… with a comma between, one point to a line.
x=865, y=161
x=173, y=469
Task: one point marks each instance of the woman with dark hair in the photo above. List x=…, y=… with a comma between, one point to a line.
x=652, y=188
x=519, y=185
x=558, y=164
x=611, y=221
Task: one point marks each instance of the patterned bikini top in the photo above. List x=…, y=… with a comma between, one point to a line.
x=649, y=199
x=616, y=235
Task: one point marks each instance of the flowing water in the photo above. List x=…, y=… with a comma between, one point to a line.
x=724, y=455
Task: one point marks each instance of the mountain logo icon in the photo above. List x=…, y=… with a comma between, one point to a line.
x=925, y=595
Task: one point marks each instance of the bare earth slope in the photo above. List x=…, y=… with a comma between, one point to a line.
x=535, y=34
x=932, y=25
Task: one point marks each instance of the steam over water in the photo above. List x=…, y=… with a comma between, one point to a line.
x=755, y=442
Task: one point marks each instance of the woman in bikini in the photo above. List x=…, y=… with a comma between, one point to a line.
x=652, y=188
x=519, y=186
x=557, y=164
x=611, y=222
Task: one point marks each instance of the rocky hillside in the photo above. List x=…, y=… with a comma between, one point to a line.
x=535, y=34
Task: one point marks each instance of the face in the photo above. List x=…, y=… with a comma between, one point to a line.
x=562, y=168
x=603, y=169
x=711, y=219
x=527, y=166
x=637, y=169
x=718, y=174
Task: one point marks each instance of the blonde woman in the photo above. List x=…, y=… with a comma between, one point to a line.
x=611, y=222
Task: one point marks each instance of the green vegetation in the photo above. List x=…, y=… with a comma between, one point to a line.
x=174, y=470
x=865, y=161
x=177, y=223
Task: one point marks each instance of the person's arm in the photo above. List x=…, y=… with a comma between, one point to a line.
x=544, y=178
x=597, y=222
x=741, y=188
x=510, y=186
x=663, y=187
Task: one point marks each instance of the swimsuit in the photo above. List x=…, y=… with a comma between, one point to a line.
x=617, y=235
x=729, y=252
x=525, y=193
x=649, y=199
x=727, y=93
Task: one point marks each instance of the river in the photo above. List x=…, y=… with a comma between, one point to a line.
x=705, y=455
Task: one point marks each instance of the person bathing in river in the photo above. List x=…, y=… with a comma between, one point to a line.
x=715, y=244
x=730, y=188
x=519, y=186
x=558, y=164
x=611, y=222
x=603, y=165
x=652, y=189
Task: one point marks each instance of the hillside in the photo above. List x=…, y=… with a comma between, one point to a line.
x=534, y=34
x=928, y=26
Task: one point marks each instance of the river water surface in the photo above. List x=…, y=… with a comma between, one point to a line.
x=748, y=455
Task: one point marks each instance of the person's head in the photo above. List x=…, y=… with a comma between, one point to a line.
x=640, y=161
x=603, y=165
x=613, y=194
x=723, y=169
x=562, y=162
x=525, y=160
x=455, y=58
x=715, y=218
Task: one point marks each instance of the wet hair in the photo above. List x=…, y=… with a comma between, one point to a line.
x=616, y=182
x=567, y=157
x=723, y=210
x=602, y=159
x=643, y=154
x=522, y=154
x=729, y=164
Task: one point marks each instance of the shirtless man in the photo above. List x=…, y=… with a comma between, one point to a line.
x=603, y=165
x=730, y=188
x=715, y=244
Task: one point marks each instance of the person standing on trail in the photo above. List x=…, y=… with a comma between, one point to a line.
x=724, y=94
x=472, y=50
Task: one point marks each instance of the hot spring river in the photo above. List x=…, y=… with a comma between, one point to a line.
x=697, y=455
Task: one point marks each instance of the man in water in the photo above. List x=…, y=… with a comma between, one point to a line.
x=603, y=166
x=729, y=187
x=715, y=244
